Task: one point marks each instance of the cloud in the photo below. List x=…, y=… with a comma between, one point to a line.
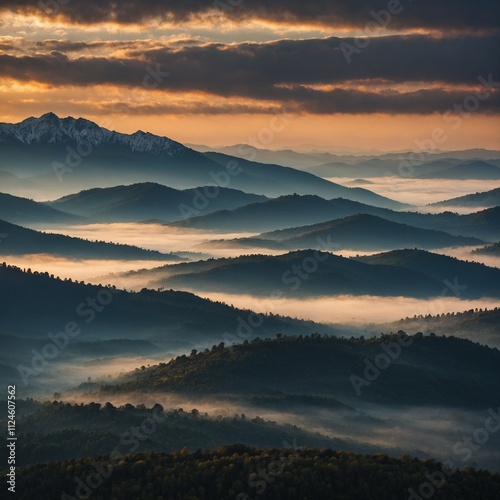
x=445, y=14
x=286, y=72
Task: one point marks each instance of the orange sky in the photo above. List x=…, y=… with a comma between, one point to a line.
x=228, y=106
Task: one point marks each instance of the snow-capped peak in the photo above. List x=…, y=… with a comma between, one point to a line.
x=50, y=129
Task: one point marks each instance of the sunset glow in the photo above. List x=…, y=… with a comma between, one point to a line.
x=217, y=73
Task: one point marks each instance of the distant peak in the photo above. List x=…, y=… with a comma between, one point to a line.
x=49, y=117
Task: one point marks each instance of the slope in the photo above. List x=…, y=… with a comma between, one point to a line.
x=357, y=232
x=18, y=240
x=145, y=201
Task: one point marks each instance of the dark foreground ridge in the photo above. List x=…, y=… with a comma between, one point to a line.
x=238, y=472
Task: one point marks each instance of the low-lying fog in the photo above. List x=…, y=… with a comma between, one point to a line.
x=351, y=310
x=419, y=431
x=151, y=236
x=420, y=192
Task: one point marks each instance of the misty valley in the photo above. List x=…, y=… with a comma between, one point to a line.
x=196, y=323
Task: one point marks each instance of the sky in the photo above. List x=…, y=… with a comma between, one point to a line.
x=332, y=75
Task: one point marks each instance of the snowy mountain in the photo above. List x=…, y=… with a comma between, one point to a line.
x=50, y=129
x=61, y=155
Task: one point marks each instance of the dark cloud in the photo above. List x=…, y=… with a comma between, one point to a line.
x=282, y=72
x=442, y=14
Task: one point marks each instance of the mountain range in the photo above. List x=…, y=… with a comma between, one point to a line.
x=434, y=168
x=486, y=199
x=295, y=211
x=308, y=273
x=146, y=201
x=310, y=158
x=68, y=153
x=428, y=371
x=357, y=232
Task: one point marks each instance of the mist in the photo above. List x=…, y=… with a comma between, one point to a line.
x=151, y=236
x=420, y=431
x=421, y=192
x=352, y=310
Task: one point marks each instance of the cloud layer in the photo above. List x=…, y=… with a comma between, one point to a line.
x=311, y=76
x=428, y=14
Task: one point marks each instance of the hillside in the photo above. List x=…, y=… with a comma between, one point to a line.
x=487, y=199
x=493, y=250
x=21, y=241
x=428, y=371
x=465, y=279
x=309, y=273
x=438, y=167
x=293, y=211
x=145, y=201
x=104, y=313
x=233, y=472
x=479, y=325
x=24, y=211
x=58, y=431
x=286, y=181
x=36, y=148
x=466, y=170
x=283, y=157
x=357, y=232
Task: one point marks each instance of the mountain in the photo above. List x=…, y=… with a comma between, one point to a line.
x=283, y=183
x=493, y=250
x=24, y=211
x=76, y=153
x=278, y=213
x=18, y=240
x=466, y=170
x=487, y=199
x=283, y=157
x=146, y=201
x=428, y=371
x=103, y=313
x=437, y=167
x=308, y=273
x=293, y=211
x=463, y=279
x=357, y=232
x=484, y=224
x=376, y=167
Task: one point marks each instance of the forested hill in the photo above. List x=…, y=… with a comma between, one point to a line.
x=237, y=472
x=33, y=304
x=425, y=370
